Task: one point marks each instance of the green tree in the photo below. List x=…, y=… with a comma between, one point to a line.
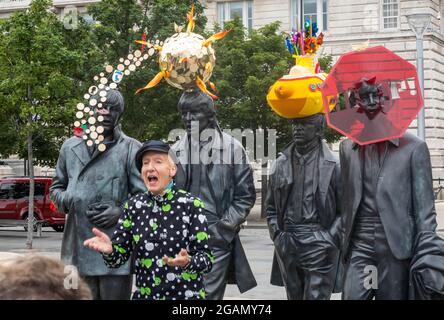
x=38, y=87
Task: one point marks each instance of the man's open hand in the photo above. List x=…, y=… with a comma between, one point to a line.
x=181, y=259
x=101, y=242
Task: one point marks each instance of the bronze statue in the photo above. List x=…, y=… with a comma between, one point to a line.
x=387, y=201
x=303, y=213
x=89, y=186
x=214, y=166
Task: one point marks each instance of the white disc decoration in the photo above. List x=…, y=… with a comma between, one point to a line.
x=92, y=102
x=101, y=147
x=96, y=96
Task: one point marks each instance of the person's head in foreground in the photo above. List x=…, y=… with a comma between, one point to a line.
x=156, y=166
x=40, y=278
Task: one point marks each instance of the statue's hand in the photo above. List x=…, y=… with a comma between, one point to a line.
x=67, y=200
x=104, y=215
x=227, y=230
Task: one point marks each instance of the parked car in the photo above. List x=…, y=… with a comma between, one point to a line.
x=14, y=201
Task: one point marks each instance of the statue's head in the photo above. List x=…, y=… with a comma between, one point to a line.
x=368, y=96
x=111, y=111
x=307, y=129
x=197, y=106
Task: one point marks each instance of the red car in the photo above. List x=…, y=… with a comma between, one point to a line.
x=14, y=201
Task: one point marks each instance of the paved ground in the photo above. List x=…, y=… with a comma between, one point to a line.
x=254, y=236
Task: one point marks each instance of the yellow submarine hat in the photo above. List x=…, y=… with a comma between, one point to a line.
x=298, y=94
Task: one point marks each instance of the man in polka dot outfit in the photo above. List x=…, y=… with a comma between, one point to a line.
x=164, y=228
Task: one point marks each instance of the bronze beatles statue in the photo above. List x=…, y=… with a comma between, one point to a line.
x=89, y=186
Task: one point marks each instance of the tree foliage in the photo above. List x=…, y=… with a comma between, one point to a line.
x=39, y=56
x=40, y=79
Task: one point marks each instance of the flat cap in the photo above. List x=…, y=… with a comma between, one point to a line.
x=150, y=145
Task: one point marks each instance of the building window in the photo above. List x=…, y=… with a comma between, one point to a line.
x=295, y=17
x=390, y=14
x=303, y=10
x=227, y=11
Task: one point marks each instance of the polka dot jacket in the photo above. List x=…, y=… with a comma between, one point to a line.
x=153, y=226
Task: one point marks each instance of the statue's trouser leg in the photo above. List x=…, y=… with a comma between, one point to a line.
x=308, y=266
x=372, y=270
x=110, y=287
x=216, y=279
x=93, y=284
x=393, y=274
x=292, y=276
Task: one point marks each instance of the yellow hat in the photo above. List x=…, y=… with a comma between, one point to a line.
x=298, y=94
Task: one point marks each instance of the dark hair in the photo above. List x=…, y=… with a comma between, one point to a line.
x=37, y=277
x=196, y=99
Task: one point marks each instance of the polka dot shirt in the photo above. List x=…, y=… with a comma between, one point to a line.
x=153, y=226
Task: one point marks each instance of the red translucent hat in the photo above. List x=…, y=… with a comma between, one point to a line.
x=398, y=85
